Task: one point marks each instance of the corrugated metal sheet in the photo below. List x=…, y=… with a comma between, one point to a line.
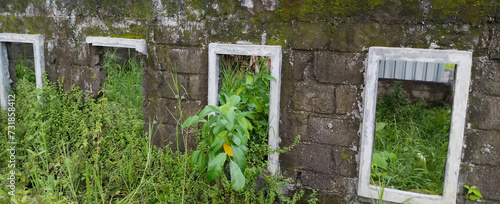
x=419, y=71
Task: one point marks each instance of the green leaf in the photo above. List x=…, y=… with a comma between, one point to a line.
x=230, y=117
x=243, y=88
x=192, y=120
x=476, y=192
x=245, y=123
x=219, y=140
x=239, y=156
x=466, y=186
x=237, y=178
x=215, y=166
x=224, y=109
x=208, y=125
x=269, y=77
x=236, y=140
x=249, y=80
x=243, y=114
x=474, y=197
x=242, y=134
x=209, y=109
x=227, y=124
x=218, y=127
x=256, y=104
x=233, y=100
x=380, y=126
x=379, y=161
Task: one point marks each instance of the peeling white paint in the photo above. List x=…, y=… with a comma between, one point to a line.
x=158, y=8
x=29, y=11
x=248, y=4
x=434, y=46
x=270, y=5
x=263, y=38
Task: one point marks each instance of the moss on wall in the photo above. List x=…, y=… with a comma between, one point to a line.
x=28, y=25
x=306, y=10
x=469, y=11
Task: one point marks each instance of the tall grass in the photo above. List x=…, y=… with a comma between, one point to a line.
x=411, y=143
x=123, y=81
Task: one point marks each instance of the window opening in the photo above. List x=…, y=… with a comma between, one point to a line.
x=412, y=128
x=253, y=79
x=12, y=62
x=249, y=77
x=120, y=64
x=413, y=124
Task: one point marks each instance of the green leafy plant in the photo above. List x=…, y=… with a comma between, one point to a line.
x=251, y=81
x=472, y=193
x=227, y=130
x=244, y=111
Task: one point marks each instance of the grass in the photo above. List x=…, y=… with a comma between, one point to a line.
x=96, y=151
x=411, y=143
x=124, y=82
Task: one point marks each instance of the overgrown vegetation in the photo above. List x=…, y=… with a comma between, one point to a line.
x=411, y=143
x=72, y=150
x=234, y=139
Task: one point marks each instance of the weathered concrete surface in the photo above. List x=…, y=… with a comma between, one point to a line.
x=338, y=68
x=485, y=113
x=314, y=97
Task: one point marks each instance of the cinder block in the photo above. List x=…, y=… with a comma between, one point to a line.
x=291, y=125
x=331, y=131
x=312, y=157
x=313, y=97
x=485, y=112
x=310, y=35
x=483, y=147
x=156, y=84
x=346, y=97
x=338, y=68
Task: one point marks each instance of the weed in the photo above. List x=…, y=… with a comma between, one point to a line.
x=472, y=193
x=411, y=143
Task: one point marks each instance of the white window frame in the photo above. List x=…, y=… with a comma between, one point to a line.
x=137, y=44
x=214, y=52
x=463, y=60
x=38, y=53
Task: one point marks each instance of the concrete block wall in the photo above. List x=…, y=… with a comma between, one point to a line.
x=324, y=46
